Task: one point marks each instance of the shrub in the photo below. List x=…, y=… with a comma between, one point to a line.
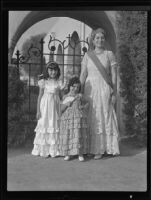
x=132, y=56
x=16, y=97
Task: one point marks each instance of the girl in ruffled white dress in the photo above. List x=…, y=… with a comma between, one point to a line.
x=48, y=113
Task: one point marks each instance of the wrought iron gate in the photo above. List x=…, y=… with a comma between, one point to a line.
x=69, y=54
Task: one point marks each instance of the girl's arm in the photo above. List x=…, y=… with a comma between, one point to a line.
x=63, y=86
x=86, y=106
x=60, y=94
x=65, y=106
x=41, y=91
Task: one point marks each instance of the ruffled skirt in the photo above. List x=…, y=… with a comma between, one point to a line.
x=73, y=138
x=47, y=129
x=46, y=142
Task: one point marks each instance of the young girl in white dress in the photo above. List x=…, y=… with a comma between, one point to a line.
x=48, y=113
x=73, y=124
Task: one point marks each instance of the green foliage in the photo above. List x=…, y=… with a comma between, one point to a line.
x=132, y=56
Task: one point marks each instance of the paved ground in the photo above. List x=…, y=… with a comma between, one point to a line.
x=126, y=172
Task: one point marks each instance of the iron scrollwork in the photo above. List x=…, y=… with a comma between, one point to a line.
x=32, y=52
x=53, y=48
x=69, y=44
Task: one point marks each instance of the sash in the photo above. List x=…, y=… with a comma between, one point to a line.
x=101, y=68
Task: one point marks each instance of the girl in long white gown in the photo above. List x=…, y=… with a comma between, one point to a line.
x=48, y=113
x=103, y=130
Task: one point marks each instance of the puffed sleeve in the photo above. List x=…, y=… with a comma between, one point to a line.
x=112, y=58
x=41, y=83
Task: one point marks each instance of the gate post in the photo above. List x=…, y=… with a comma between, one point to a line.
x=18, y=54
x=41, y=59
x=29, y=88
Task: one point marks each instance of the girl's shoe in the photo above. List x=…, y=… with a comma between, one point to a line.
x=43, y=155
x=35, y=153
x=66, y=158
x=81, y=158
x=98, y=156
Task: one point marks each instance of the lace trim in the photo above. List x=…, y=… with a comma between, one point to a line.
x=45, y=139
x=45, y=150
x=69, y=113
x=40, y=129
x=75, y=123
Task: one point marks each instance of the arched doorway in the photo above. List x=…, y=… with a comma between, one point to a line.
x=93, y=19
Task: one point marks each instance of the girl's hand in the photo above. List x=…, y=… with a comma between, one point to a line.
x=80, y=95
x=87, y=106
x=38, y=115
x=69, y=103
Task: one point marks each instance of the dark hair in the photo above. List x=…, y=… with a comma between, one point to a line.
x=72, y=81
x=93, y=34
x=52, y=65
x=41, y=76
x=98, y=30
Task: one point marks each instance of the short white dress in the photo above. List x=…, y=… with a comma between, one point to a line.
x=47, y=129
x=102, y=119
x=73, y=127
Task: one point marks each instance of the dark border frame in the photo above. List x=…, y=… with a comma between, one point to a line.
x=66, y=5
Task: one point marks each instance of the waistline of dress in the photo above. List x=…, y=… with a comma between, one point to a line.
x=52, y=93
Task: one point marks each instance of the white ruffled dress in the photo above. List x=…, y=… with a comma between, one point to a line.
x=47, y=129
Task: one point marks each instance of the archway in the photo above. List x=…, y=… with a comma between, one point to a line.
x=93, y=19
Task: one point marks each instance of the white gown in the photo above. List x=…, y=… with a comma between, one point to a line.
x=47, y=129
x=103, y=130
